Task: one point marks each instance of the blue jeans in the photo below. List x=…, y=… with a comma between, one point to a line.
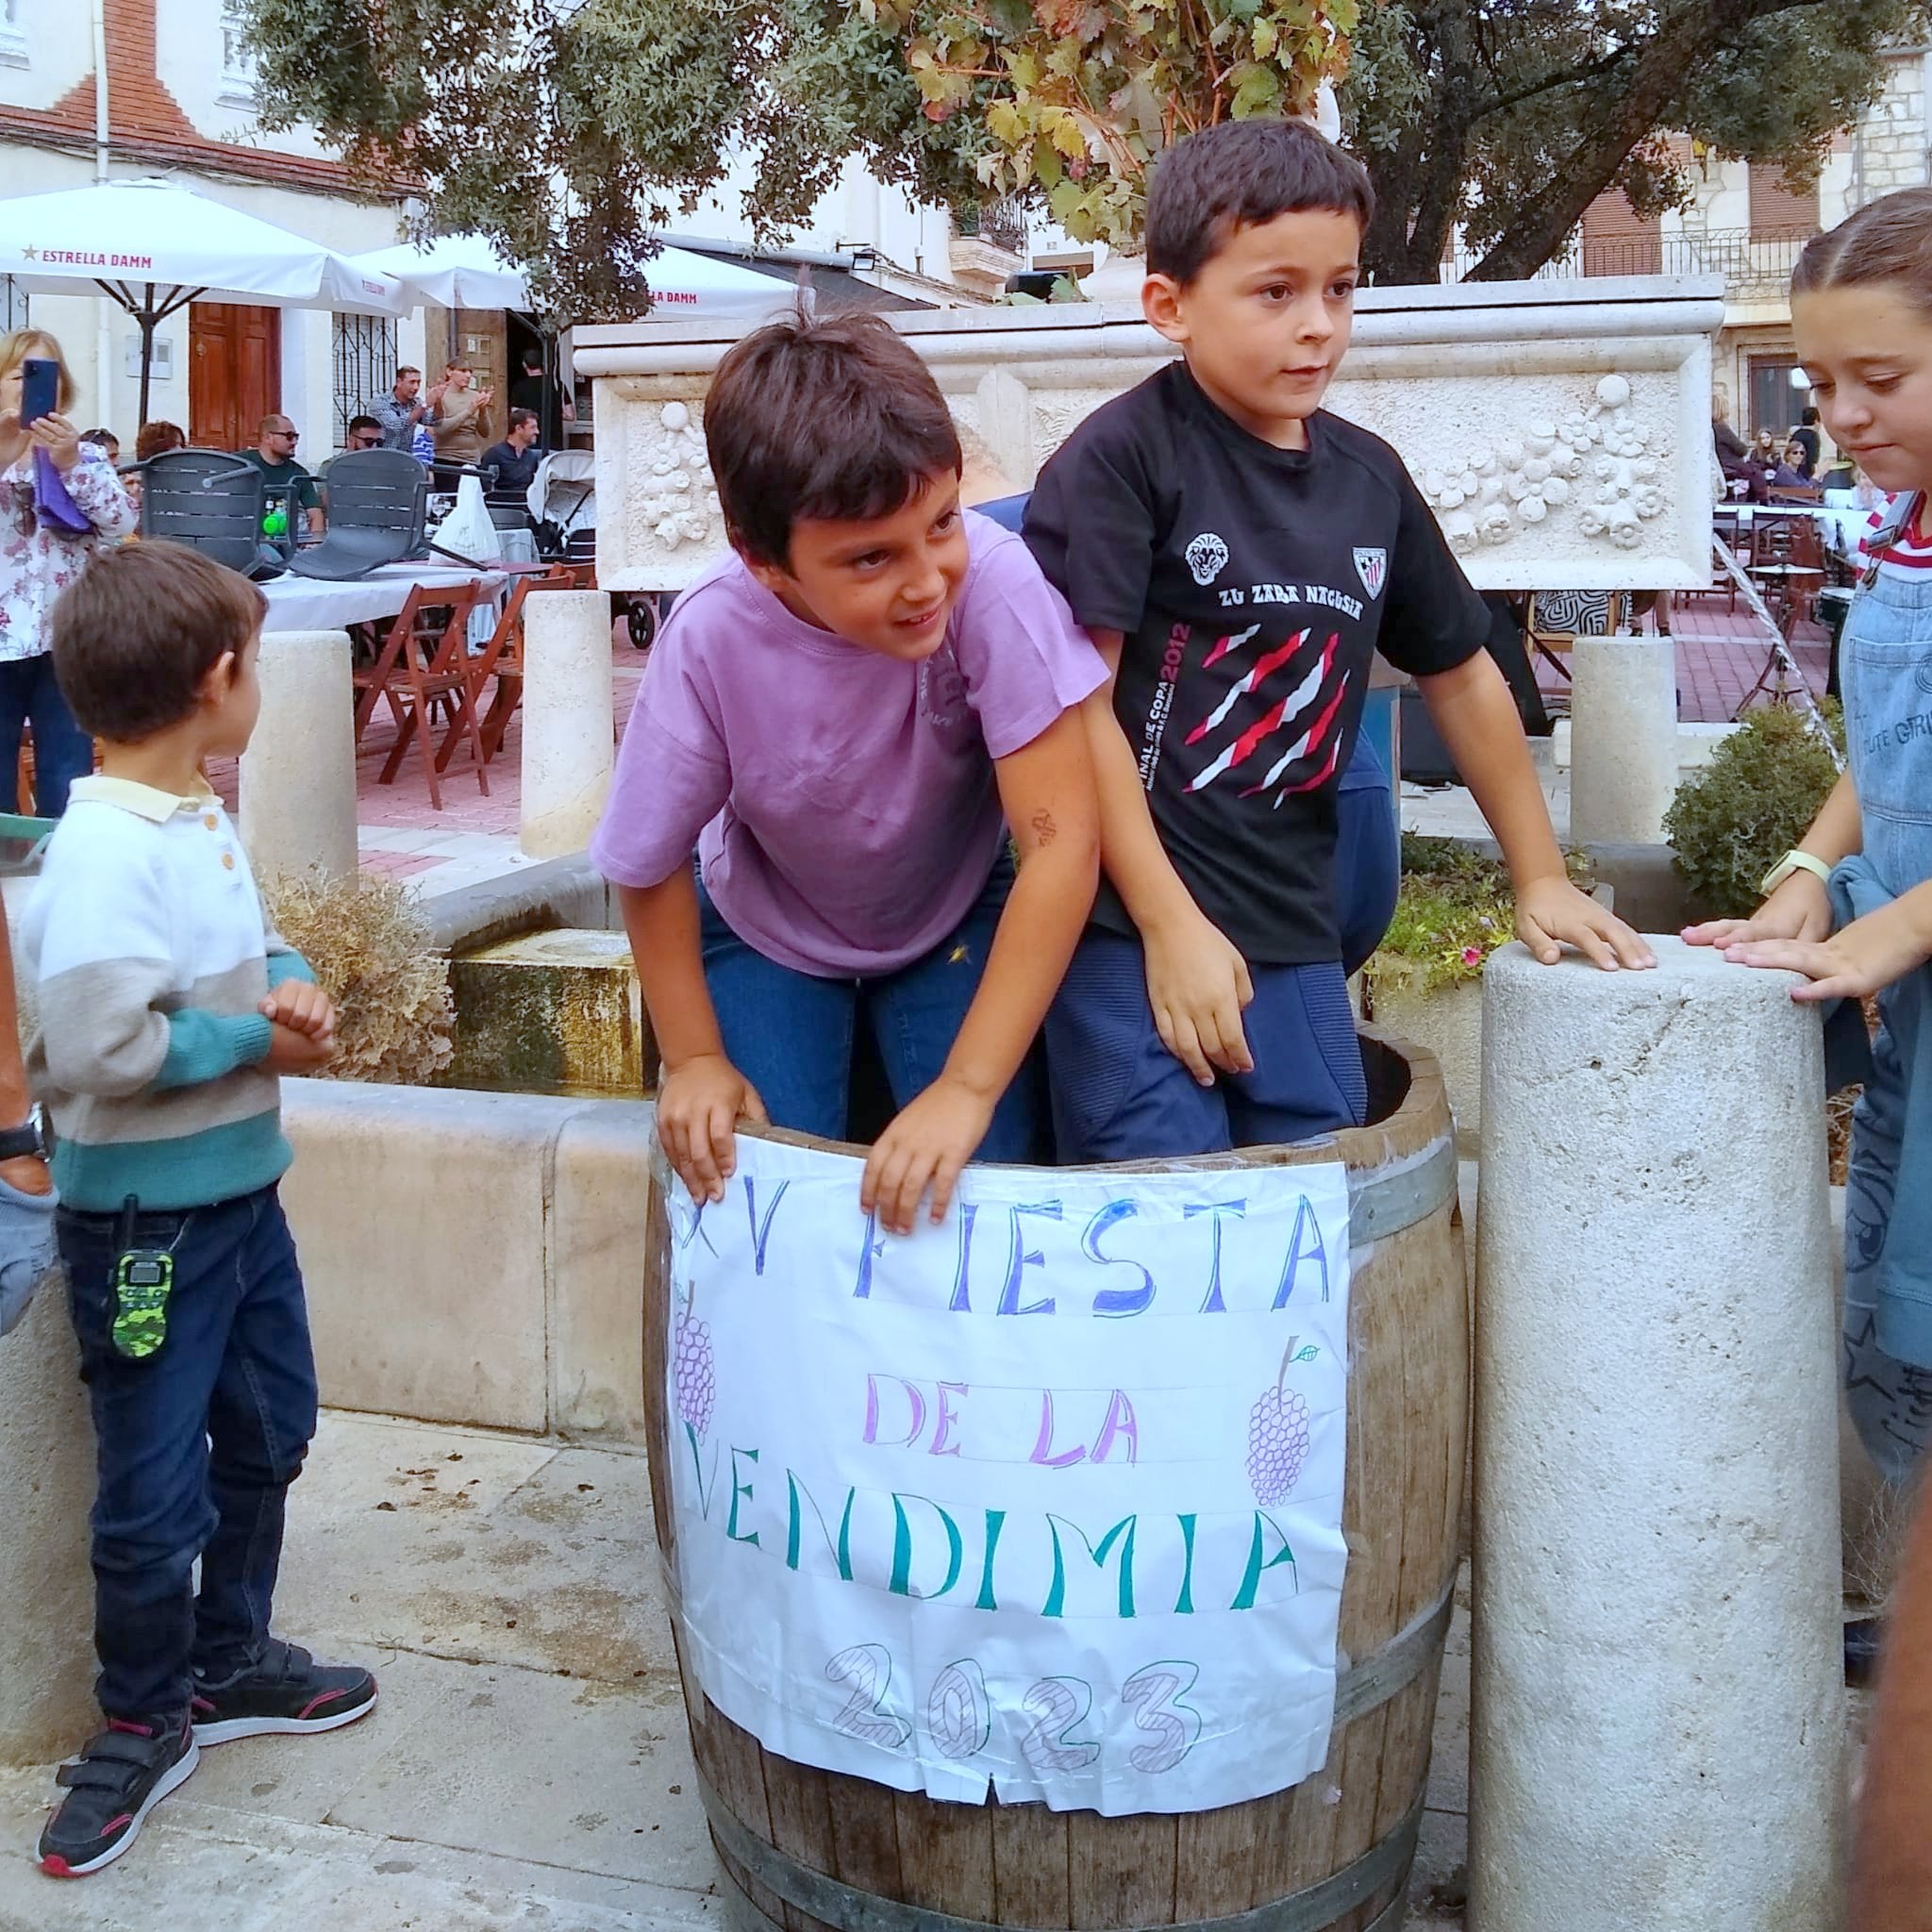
x=63, y=751
x=1367, y=855
x=196, y=1446
x=1118, y=1093
x=791, y=1034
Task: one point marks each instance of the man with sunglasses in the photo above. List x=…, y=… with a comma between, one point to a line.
x=289, y=486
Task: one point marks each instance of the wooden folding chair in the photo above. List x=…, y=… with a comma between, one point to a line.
x=501, y=657
x=422, y=667
x=1552, y=643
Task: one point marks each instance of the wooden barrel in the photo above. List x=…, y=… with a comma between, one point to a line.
x=814, y=1851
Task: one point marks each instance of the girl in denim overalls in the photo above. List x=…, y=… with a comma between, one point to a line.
x=1851, y=908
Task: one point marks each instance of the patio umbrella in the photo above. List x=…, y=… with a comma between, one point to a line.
x=453, y=272
x=466, y=271
x=154, y=246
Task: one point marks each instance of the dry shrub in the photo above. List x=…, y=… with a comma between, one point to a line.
x=370, y=947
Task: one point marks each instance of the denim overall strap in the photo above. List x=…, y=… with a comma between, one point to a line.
x=1886, y=671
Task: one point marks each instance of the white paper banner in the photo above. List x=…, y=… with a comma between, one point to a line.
x=1049, y=1495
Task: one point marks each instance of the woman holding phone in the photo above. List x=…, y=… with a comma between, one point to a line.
x=59, y=498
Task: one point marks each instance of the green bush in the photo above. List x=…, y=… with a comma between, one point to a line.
x=1455, y=908
x=1733, y=820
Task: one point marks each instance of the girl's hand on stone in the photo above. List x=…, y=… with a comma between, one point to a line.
x=1551, y=913
x=700, y=1103
x=925, y=1146
x=1197, y=984
x=1799, y=909
x=1869, y=954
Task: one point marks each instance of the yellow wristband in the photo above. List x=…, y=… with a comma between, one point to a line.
x=1794, y=861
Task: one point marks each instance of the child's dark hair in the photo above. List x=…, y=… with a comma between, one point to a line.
x=1886, y=241
x=1237, y=174
x=137, y=633
x=836, y=419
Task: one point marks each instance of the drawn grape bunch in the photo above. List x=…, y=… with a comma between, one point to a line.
x=694, y=1371
x=1277, y=1438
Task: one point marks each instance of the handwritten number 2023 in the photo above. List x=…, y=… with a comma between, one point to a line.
x=959, y=1713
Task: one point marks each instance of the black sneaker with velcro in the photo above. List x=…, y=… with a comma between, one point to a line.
x=119, y=1777
x=284, y=1693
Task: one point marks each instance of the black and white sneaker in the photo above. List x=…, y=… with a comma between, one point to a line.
x=287, y=1694
x=119, y=1777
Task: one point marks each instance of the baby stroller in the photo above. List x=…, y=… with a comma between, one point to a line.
x=563, y=510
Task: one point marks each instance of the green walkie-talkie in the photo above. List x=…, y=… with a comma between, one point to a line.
x=144, y=1280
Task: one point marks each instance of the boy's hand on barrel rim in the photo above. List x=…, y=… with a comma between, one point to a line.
x=925, y=1146
x=700, y=1103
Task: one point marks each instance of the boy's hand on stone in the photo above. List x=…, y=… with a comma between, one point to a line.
x=1551, y=913
x=700, y=1103
x=1799, y=909
x=302, y=1009
x=289, y=1052
x=1197, y=984
x=1869, y=954
x=925, y=1146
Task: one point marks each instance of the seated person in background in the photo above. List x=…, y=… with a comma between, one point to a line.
x=151, y=440
x=155, y=437
x=1786, y=474
x=1764, y=450
x=288, y=483
x=511, y=464
x=1811, y=439
x=364, y=432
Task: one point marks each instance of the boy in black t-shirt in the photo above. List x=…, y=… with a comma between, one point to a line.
x=1238, y=556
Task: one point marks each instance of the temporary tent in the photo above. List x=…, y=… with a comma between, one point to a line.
x=154, y=246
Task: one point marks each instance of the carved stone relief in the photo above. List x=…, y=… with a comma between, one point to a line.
x=669, y=494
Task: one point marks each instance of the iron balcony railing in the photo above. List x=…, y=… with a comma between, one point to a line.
x=1750, y=264
x=998, y=224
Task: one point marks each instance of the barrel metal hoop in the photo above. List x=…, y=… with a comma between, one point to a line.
x=1383, y=1201
x=844, y=1906
x=1392, y=1668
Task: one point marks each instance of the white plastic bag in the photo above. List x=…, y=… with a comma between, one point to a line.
x=467, y=530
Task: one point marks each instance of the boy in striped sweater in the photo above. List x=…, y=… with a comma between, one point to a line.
x=166, y=1013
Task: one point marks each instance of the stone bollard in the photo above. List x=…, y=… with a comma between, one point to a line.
x=1624, y=738
x=46, y=1589
x=1658, y=1726
x=569, y=722
x=298, y=775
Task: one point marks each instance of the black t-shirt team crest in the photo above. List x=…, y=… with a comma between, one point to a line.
x=1253, y=586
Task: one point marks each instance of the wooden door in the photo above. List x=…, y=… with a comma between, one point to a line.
x=234, y=373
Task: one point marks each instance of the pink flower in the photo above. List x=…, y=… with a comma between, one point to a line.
x=1472, y=956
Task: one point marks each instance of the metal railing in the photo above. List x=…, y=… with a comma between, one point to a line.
x=998, y=224
x=1750, y=264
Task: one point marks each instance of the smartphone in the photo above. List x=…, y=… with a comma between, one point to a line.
x=40, y=389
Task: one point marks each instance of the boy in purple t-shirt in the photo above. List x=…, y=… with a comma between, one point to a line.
x=844, y=717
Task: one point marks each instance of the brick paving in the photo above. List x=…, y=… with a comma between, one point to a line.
x=1720, y=653
x=473, y=837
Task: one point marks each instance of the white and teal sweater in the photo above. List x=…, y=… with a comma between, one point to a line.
x=149, y=955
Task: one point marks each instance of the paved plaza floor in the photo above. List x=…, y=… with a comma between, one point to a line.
x=1720, y=653
x=528, y=1766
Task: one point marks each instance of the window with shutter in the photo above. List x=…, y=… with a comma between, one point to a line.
x=1778, y=210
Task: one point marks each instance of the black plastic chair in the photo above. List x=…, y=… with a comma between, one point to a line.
x=509, y=509
x=379, y=502
x=210, y=500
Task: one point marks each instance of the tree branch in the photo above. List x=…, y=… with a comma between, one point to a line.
x=1547, y=219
